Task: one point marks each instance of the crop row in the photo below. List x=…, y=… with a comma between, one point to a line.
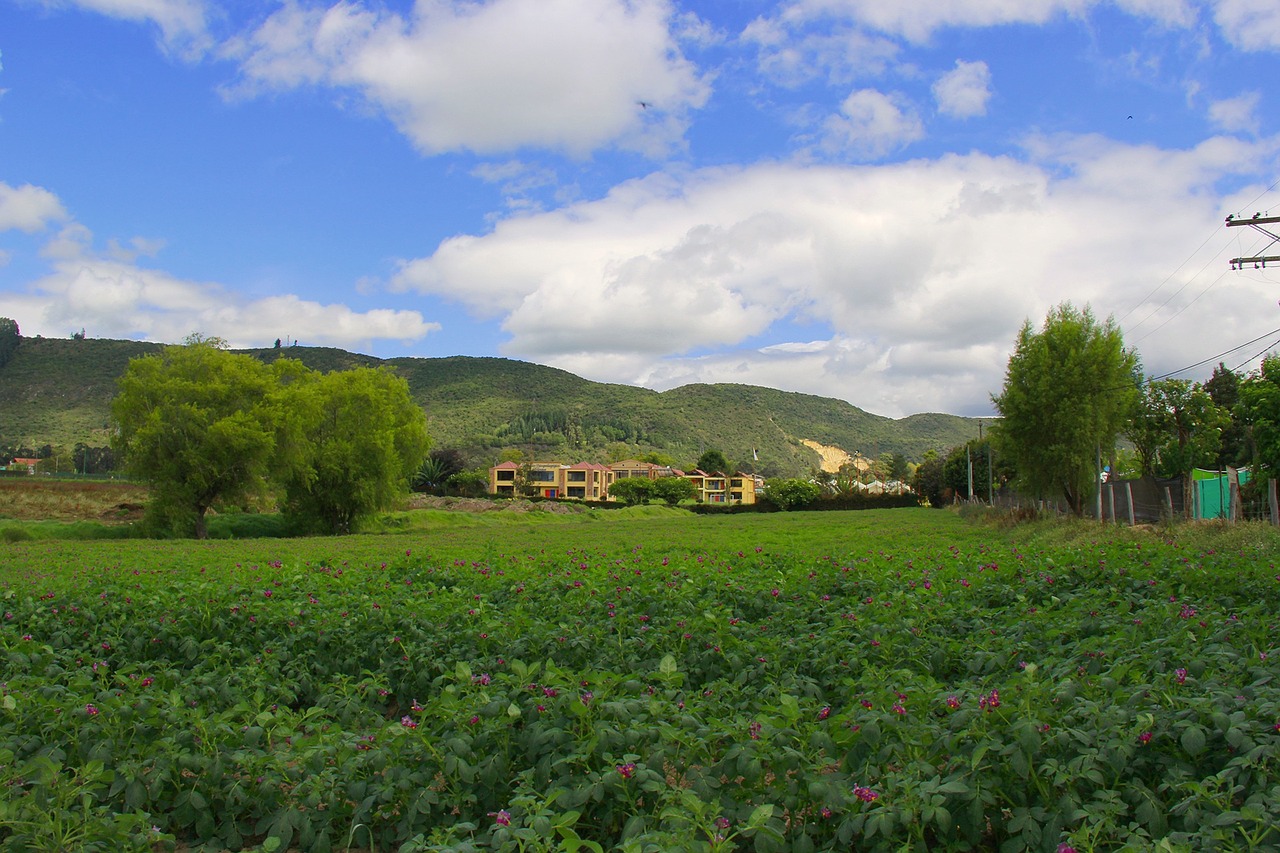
x=971, y=697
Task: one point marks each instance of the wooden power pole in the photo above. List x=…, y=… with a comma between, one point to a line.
x=1261, y=259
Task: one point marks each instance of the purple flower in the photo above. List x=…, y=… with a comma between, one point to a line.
x=627, y=770
x=1144, y=738
x=1180, y=675
x=865, y=794
x=408, y=722
x=91, y=710
x=502, y=817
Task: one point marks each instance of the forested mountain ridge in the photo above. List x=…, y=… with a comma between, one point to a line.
x=58, y=392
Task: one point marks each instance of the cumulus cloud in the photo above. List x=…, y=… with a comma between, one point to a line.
x=917, y=20
x=871, y=124
x=182, y=23
x=1250, y=24
x=923, y=271
x=964, y=91
x=570, y=75
x=1236, y=114
x=28, y=208
x=116, y=298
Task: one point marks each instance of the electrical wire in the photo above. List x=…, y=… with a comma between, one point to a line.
x=1187, y=260
x=1258, y=355
x=1220, y=356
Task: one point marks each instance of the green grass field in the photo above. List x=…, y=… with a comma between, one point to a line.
x=646, y=680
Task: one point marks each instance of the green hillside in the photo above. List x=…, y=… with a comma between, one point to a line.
x=58, y=392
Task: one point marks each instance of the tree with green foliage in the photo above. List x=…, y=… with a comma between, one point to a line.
x=92, y=460
x=653, y=457
x=713, y=462
x=791, y=493
x=9, y=339
x=1175, y=427
x=898, y=468
x=193, y=423
x=1068, y=391
x=929, y=480
x=433, y=474
x=956, y=469
x=472, y=483
x=354, y=438
x=1260, y=411
x=632, y=490
x=1234, y=447
x=673, y=490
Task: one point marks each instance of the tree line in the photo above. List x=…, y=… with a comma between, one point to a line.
x=1072, y=391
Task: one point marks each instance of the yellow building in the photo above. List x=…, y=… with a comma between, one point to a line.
x=719, y=489
x=591, y=480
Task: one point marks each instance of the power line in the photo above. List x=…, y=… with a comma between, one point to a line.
x=1156, y=289
x=1175, y=314
x=1246, y=361
x=1220, y=356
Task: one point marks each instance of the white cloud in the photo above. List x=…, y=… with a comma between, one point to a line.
x=917, y=20
x=964, y=91
x=840, y=54
x=1250, y=24
x=495, y=76
x=28, y=208
x=1236, y=114
x=871, y=124
x=923, y=271
x=115, y=298
x=182, y=23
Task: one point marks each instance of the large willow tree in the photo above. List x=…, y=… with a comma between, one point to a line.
x=1068, y=391
x=192, y=422
x=206, y=427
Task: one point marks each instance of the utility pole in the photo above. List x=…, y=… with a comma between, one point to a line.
x=968, y=453
x=1256, y=222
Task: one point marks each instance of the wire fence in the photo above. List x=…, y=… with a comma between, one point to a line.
x=1154, y=500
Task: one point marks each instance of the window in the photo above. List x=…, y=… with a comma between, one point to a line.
x=576, y=492
x=506, y=475
x=577, y=476
x=542, y=476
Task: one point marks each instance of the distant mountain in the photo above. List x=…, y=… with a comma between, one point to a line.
x=58, y=392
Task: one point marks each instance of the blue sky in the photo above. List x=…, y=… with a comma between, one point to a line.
x=862, y=199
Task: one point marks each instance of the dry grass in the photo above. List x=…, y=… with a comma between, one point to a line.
x=42, y=499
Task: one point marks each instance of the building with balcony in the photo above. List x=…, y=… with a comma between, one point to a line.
x=591, y=480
